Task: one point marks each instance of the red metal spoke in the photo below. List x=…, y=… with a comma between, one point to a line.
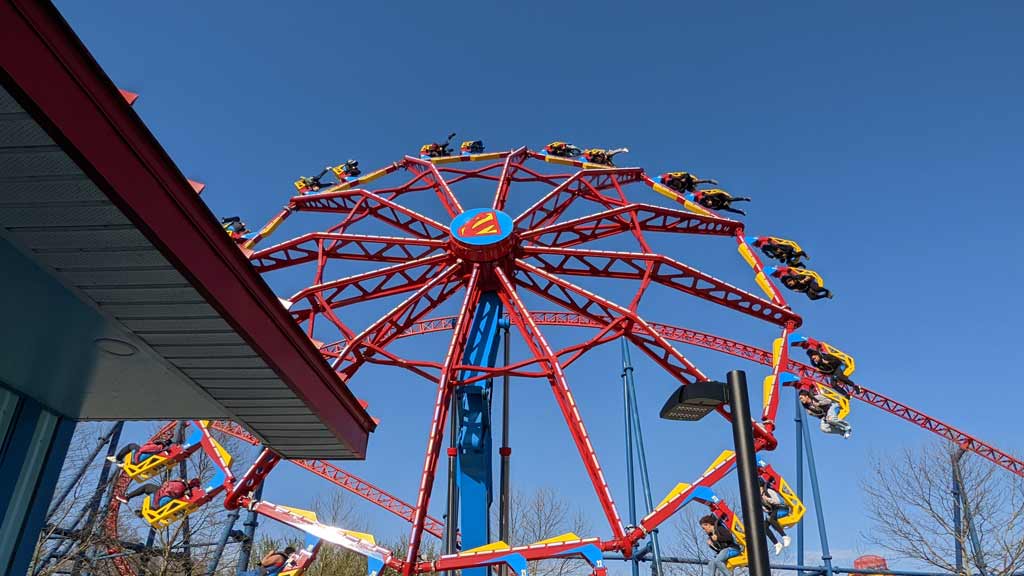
x=383, y=357
x=665, y=510
x=387, y=211
x=442, y=403
x=668, y=272
x=368, y=491
x=762, y=278
x=973, y=444
x=316, y=245
x=513, y=163
x=520, y=317
x=585, y=184
x=325, y=309
x=649, y=218
x=341, y=478
x=444, y=192
x=480, y=173
x=388, y=327
x=390, y=281
x=604, y=312
x=779, y=363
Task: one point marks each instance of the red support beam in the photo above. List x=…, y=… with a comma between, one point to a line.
x=381, y=283
x=628, y=218
x=381, y=208
x=667, y=272
x=520, y=317
x=360, y=247
x=442, y=403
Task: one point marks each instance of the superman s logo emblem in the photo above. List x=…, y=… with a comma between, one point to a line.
x=483, y=224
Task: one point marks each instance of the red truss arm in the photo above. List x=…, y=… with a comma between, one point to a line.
x=667, y=272
x=583, y=184
x=444, y=192
x=604, y=313
x=312, y=247
x=445, y=388
x=397, y=279
x=346, y=480
x=520, y=316
x=513, y=163
x=774, y=391
x=761, y=356
x=529, y=553
x=394, y=214
x=374, y=339
x=665, y=511
x=618, y=220
x=368, y=491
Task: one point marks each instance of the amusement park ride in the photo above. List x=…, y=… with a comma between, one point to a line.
x=486, y=260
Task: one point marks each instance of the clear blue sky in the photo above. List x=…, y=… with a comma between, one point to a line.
x=885, y=137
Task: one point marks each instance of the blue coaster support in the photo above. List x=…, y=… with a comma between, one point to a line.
x=641, y=452
x=826, y=556
x=474, y=451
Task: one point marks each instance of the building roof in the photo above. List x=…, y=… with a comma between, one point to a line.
x=125, y=270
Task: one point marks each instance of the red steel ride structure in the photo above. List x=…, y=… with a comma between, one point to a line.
x=458, y=253
x=535, y=255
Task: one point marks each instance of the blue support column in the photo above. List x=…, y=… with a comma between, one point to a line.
x=627, y=410
x=798, y=418
x=473, y=461
x=645, y=478
x=229, y=526
x=33, y=443
x=958, y=529
x=252, y=520
x=826, y=556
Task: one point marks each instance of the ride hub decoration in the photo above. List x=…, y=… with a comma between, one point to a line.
x=482, y=234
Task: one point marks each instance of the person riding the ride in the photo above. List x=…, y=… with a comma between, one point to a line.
x=683, y=181
x=786, y=251
x=819, y=406
x=602, y=156
x=719, y=200
x=562, y=150
x=235, y=228
x=141, y=453
x=348, y=169
x=800, y=280
x=472, y=147
x=437, y=149
x=833, y=367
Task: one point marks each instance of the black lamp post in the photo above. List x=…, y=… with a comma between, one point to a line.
x=694, y=401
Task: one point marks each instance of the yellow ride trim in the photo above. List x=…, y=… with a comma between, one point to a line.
x=146, y=469
x=166, y=515
x=783, y=242
x=747, y=255
x=811, y=273
x=846, y=358
x=741, y=539
x=492, y=547
x=768, y=387
x=679, y=489
x=796, y=507
x=843, y=401
x=725, y=455
x=764, y=284
x=563, y=161
x=567, y=537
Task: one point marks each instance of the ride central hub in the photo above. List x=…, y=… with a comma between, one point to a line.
x=482, y=235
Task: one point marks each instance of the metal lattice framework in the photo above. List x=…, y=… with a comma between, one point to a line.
x=422, y=263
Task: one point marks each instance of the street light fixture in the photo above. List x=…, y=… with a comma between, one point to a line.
x=695, y=401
